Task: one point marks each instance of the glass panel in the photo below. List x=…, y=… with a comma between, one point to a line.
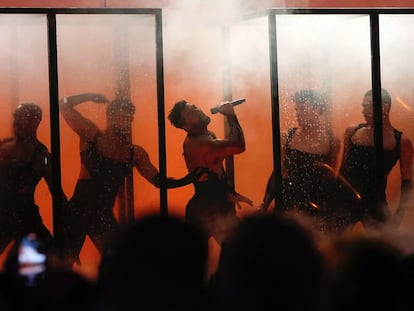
x=250, y=78
x=397, y=74
x=114, y=56
x=324, y=70
x=23, y=79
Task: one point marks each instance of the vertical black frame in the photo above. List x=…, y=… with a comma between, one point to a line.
x=376, y=98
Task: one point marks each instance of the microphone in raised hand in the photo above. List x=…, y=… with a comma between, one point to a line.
x=236, y=102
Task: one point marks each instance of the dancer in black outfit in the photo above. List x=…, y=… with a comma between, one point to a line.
x=358, y=164
x=106, y=159
x=309, y=160
x=24, y=161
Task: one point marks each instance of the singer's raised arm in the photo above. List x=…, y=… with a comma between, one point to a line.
x=234, y=143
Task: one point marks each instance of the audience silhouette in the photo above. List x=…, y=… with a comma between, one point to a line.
x=363, y=273
x=159, y=263
x=271, y=263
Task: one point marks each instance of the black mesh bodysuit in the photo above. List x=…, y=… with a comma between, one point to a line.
x=93, y=199
x=308, y=179
x=359, y=169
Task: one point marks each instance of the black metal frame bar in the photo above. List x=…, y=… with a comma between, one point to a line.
x=56, y=11
x=161, y=116
x=325, y=11
x=376, y=98
x=373, y=14
x=54, y=95
x=274, y=90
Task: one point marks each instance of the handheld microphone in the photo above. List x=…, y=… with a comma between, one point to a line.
x=236, y=102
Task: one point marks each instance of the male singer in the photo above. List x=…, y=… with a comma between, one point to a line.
x=212, y=206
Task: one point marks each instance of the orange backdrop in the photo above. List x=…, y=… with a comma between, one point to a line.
x=194, y=54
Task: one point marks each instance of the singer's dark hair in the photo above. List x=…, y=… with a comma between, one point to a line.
x=175, y=114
